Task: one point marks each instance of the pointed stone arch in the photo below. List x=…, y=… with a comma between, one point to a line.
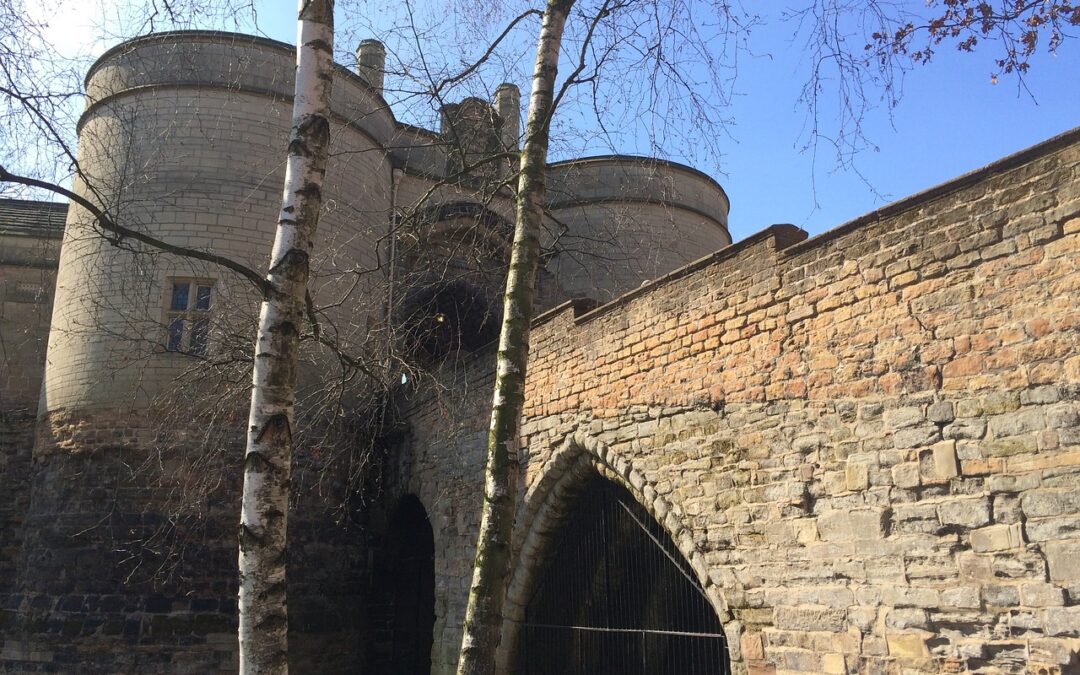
x=546, y=507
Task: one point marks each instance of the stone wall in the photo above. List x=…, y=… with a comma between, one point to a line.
x=128, y=563
x=29, y=246
x=866, y=444
x=111, y=574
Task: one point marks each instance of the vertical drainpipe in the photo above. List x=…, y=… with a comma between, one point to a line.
x=394, y=219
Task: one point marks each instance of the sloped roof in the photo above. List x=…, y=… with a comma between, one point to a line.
x=23, y=216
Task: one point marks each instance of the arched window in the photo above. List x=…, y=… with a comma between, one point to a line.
x=438, y=319
x=617, y=598
x=450, y=272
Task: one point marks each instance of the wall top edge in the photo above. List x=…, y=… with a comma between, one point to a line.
x=628, y=159
x=222, y=37
x=1007, y=163
x=789, y=240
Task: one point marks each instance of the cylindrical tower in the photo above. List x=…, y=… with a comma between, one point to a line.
x=621, y=220
x=141, y=414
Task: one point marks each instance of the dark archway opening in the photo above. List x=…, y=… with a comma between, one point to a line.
x=404, y=589
x=436, y=319
x=616, y=597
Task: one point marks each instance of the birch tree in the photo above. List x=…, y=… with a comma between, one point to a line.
x=483, y=616
x=891, y=34
x=268, y=455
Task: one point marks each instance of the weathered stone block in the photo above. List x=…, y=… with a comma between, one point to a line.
x=809, y=619
x=1042, y=503
x=1062, y=416
x=1040, y=395
x=941, y=412
x=945, y=459
x=1063, y=558
x=852, y=525
x=857, y=475
x=1007, y=447
x=961, y=597
x=903, y=418
x=1013, y=482
x=753, y=649
x=965, y=512
x=906, y=475
x=997, y=538
x=1040, y=594
x=833, y=664
x=916, y=437
x=1048, y=529
x=870, y=411
x=1019, y=564
x=1018, y=423
x=862, y=618
x=907, y=645
x=1001, y=595
x=971, y=428
x=912, y=596
x=906, y=617
x=1063, y=621
x=1058, y=652
x=916, y=517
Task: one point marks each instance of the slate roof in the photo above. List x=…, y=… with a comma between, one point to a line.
x=23, y=216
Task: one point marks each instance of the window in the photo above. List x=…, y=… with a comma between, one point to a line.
x=187, y=315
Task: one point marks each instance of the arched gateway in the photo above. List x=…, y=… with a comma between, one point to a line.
x=403, y=612
x=616, y=597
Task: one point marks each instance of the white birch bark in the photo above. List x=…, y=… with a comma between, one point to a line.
x=483, y=616
x=268, y=457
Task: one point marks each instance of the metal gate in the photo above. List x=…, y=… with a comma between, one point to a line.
x=618, y=598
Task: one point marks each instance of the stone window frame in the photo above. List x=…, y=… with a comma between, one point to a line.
x=186, y=315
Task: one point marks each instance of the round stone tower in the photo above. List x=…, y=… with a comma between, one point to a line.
x=184, y=139
x=622, y=220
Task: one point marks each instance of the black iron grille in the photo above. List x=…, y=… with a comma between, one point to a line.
x=618, y=598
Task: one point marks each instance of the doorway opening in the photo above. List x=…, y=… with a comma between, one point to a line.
x=404, y=588
x=616, y=597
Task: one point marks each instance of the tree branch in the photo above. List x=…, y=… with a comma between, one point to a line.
x=108, y=224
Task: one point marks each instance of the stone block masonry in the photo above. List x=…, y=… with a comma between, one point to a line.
x=866, y=444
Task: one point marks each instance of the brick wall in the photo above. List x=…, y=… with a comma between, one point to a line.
x=866, y=444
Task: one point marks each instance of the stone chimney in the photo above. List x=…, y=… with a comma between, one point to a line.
x=508, y=108
x=371, y=63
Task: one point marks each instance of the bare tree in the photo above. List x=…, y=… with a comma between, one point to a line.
x=483, y=618
x=607, y=37
x=268, y=457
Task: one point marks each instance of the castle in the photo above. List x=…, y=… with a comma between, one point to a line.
x=851, y=453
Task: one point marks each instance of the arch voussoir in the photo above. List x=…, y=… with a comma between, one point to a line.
x=579, y=456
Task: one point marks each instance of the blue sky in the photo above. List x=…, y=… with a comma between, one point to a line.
x=950, y=120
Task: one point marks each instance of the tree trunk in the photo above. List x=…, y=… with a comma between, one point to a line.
x=268, y=456
x=483, y=617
